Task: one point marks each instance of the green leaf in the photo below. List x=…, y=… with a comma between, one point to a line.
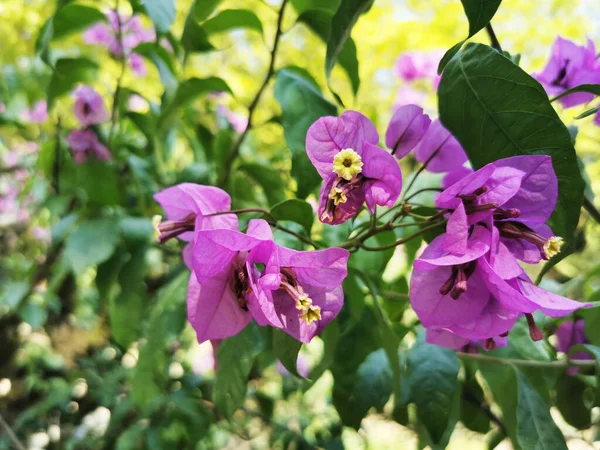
x=13, y=292
x=105, y=193
x=497, y=110
x=342, y=22
x=432, y=375
x=74, y=17
x=588, y=113
x=471, y=414
x=592, y=350
x=590, y=88
x=479, y=13
x=235, y=357
x=137, y=229
x=68, y=72
x=535, y=428
x=570, y=401
x=304, y=5
x=295, y=210
x=167, y=319
x=92, y=243
x=162, y=13
x=195, y=38
x=126, y=309
x=302, y=104
x=286, y=350
x=201, y=9
x=374, y=381
x=268, y=178
x=163, y=61
x=230, y=19
x=374, y=262
x=319, y=21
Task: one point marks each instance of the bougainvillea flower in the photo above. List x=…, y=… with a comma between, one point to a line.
x=570, y=65
x=568, y=334
x=89, y=107
x=84, y=144
x=448, y=339
x=407, y=127
x=37, y=114
x=407, y=95
x=344, y=152
x=440, y=150
x=299, y=292
x=219, y=291
x=412, y=66
x=455, y=175
x=519, y=194
x=188, y=207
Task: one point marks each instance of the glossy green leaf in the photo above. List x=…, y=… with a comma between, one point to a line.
x=295, y=210
x=432, y=375
x=231, y=19
x=497, y=110
x=302, y=104
x=374, y=381
x=68, y=72
x=342, y=23
x=268, y=178
x=590, y=88
x=319, y=21
x=92, y=243
x=237, y=354
x=535, y=428
x=479, y=13
x=195, y=38
x=162, y=13
x=286, y=350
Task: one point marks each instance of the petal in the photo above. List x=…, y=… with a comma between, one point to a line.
x=467, y=185
x=437, y=310
x=570, y=333
x=322, y=268
x=213, y=310
x=407, y=127
x=504, y=263
x=436, y=254
x=444, y=150
x=384, y=177
x=328, y=135
x=455, y=175
x=259, y=229
x=493, y=321
x=503, y=185
x=537, y=196
x=550, y=304
x=457, y=232
x=445, y=338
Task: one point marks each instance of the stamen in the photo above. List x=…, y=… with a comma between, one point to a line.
x=511, y=213
x=515, y=230
x=534, y=331
x=460, y=287
x=552, y=247
x=490, y=344
x=173, y=228
x=303, y=302
x=347, y=164
x=338, y=196
x=457, y=283
x=240, y=286
x=470, y=209
x=311, y=314
x=504, y=334
x=449, y=284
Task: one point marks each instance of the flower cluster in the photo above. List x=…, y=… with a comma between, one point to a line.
x=467, y=286
x=120, y=36
x=413, y=68
x=238, y=277
x=90, y=110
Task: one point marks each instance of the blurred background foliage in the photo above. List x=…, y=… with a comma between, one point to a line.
x=94, y=348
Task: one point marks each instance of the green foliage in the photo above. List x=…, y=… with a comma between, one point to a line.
x=67, y=73
x=230, y=19
x=295, y=210
x=162, y=13
x=91, y=243
x=286, y=350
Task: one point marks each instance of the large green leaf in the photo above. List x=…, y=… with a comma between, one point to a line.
x=479, y=13
x=68, y=72
x=194, y=37
x=74, y=17
x=92, y=243
x=497, y=110
x=295, y=210
x=230, y=19
x=235, y=357
x=342, y=23
x=432, y=375
x=319, y=21
x=162, y=13
x=105, y=193
x=286, y=349
x=268, y=178
x=535, y=428
x=302, y=104
x=374, y=381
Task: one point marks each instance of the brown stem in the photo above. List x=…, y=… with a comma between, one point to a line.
x=403, y=240
x=251, y=109
x=493, y=39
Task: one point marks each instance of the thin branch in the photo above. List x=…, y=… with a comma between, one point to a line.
x=591, y=209
x=123, y=61
x=421, y=169
x=493, y=39
x=57, y=156
x=403, y=240
x=559, y=365
x=296, y=235
x=11, y=169
x=420, y=191
x=11, y=435
x=236, y=148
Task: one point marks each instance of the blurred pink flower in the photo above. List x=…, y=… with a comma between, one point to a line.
x=238, y=121
x=89, y=107
x=412, y=66
x=85, y=144
x=41, y=234
x=2, y=108
x=408, y=95
x=37, y=114
x=136, y=103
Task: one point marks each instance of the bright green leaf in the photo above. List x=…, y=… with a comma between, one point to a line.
x=92, y=243
x=74, y=17
x=230, y=19
x=162, y=13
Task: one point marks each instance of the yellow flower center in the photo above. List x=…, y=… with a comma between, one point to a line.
x=552, y=247
x=347, y=164
x=338, y=196
x=311, y=314
x=303, y=302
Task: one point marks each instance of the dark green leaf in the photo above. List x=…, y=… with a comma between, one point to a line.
x=535, y=428
x=295, y=210
x=570, y=401
x=230, y=19
x=302, y=104
x=203, y=8
x=479, y=13
x=237, y=355
x=319, y=21
x=590, y=88
x=162, y=13
x=304, y=5
x=497, y=110
x=105, y=193
x=432, y=375
x=342, y=22
x=374, y=381
x=286, y=350
x=195, y=38
x=74, y=17
x=92, y=243
x=588, y=113
x=471, y=412
x=268, y=178
x=137, y=229
x=68, y=72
